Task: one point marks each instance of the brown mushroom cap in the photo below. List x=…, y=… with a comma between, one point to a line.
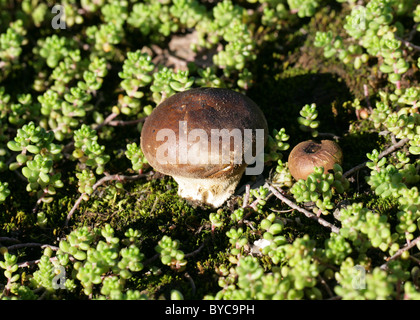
x=205, y=109
x=309, y=154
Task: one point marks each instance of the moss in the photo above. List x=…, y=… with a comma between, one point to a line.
x=156, y=285
x=387, y=207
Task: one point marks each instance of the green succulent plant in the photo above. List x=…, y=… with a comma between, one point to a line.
x=76, y=223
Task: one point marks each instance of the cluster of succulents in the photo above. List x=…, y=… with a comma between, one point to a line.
x=307, y=121
x=4, y=191
x=320, y=187
x=373, y=34
x=72, y=104
x=88, y=151
x=170, y=254
x=36, y=158
x=274, y=240
x=11, y=43
x=136, y=156
x=399, y=182
x=166, y=82
x=365, y=228
x=276, y=143
x=282, y=176
x=296, y=280
x=136, y=73
x=63, y=109
x=398, y=114
x=85, y=259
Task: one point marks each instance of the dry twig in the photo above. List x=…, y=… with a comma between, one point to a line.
x=400, y=252
x=308, y=214
x=384, y=153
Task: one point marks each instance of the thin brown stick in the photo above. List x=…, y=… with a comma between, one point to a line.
x=326, y=286
x=8, y=239
x=196, y=251
x=408, y=44
x=193, y=287
x=246, y=197
x=400, y=252
x=384, y=153
x=31, y=245
x=328, y=135
x=116, y=123
x=308, y=214
x=26, y=264
x=366, y=93
x=75, y=206
x=151, y=259
x=108, y=119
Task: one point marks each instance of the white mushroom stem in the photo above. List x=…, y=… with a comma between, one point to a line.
x=211, y=191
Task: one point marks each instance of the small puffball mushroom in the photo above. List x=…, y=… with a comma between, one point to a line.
x=203, y=138
x=309, y=154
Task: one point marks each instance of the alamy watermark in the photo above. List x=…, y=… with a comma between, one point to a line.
x=359, y=14
x=359, y=279
x=58, y=21
x=58, y=282
x=176, y=150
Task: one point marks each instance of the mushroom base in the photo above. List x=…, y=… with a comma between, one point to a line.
x=210, y=191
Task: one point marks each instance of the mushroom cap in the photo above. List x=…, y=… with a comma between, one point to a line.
x=205, y=109
x=307, y=155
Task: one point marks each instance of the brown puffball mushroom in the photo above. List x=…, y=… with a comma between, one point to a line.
x=199, y=137
x=309, y=154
